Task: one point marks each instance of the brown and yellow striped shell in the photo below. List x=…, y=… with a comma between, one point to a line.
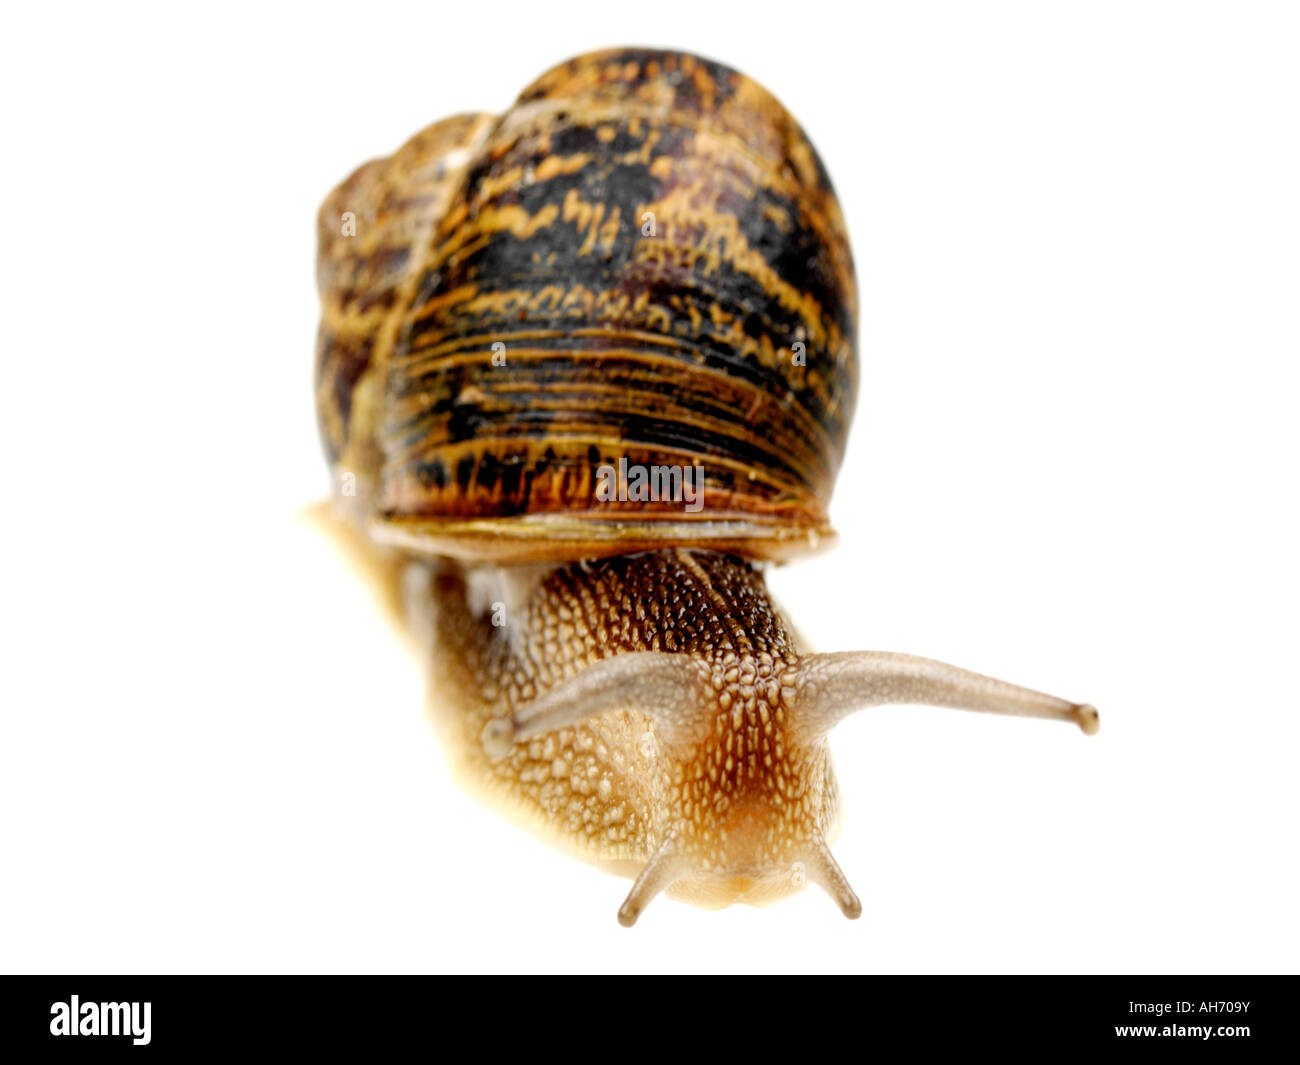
x=651, y=248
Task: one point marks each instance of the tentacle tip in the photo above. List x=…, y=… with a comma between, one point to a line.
x=823, y=869
x=499, y=737
x=1087, y=718
x=627, y=915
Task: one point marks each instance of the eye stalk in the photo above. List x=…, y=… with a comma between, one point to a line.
x=668, y=688
x=832, y=686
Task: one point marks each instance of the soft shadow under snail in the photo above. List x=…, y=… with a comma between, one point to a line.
x=583, y=369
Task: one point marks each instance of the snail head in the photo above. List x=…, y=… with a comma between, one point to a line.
x=748, y=797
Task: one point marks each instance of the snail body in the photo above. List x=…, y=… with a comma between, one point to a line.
x=583, y=370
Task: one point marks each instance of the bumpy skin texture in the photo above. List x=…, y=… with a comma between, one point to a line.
x=721, y=334
x=739, y=790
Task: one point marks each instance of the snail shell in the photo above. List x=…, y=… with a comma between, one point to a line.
x=641, y=264
x=643, y=260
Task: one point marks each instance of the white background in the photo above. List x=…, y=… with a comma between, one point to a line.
x=1073, y=466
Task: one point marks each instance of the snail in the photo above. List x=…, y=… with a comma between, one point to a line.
x=584, y=370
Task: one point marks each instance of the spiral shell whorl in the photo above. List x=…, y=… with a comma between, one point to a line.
x=370, y=232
